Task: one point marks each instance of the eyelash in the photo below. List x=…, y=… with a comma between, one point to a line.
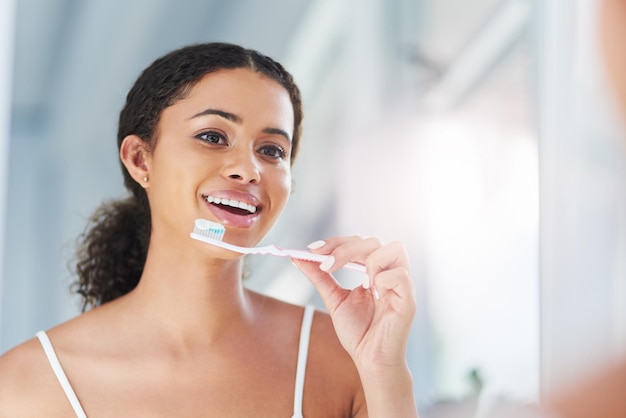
x=204, y=137
x=277, y=153
x=272, y=151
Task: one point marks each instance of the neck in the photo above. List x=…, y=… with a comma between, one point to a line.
x=191, y=297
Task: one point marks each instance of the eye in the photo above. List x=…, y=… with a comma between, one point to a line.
x=272, y=151
x=213, y=137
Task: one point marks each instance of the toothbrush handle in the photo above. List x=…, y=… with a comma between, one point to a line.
x=309, y=256
x=273, y=249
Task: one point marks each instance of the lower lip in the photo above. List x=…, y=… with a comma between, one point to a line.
x=227, y=218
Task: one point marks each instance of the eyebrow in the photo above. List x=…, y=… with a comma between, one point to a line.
x=226, y=115
x=276, y=131
x=236, y=119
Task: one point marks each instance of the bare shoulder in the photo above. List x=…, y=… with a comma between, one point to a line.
x=332, y=368
x=24, y=377
x=325, y=350
x=325, y=336
x=330, y=373
x=325, y=347
x=28, y=385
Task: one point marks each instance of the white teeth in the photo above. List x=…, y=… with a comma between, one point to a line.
x=231, y=202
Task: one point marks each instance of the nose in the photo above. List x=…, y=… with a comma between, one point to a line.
x=242, y=167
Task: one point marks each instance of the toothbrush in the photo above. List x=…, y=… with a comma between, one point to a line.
x=213, y=233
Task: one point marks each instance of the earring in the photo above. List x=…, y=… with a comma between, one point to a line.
x=145, y=179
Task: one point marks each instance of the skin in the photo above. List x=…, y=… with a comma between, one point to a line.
x=190, y=340
x=612, y=35
x=603, y=394
x=599, y=395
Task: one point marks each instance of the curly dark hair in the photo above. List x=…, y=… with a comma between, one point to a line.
x=112, y=250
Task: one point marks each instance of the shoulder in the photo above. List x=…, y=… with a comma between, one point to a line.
x=19, y=365
x=325, y=350
x=28, y=385
x=24, y=377
x=331, y=367
x=330, y=371
x=325, y=347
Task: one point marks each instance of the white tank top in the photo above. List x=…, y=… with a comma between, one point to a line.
x=303, y=351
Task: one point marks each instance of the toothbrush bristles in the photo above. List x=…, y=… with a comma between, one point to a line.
x=209, y=229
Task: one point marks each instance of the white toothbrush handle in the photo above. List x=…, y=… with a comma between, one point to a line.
x=306, y=255
x=272, y=249
x=225, y=245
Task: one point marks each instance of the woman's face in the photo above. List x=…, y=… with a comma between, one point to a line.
x=223, y=154
x=613, y=34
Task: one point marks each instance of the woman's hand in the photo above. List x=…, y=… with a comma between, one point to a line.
x=372, y=321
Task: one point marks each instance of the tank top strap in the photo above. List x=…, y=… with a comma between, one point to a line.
x=60, y=374
x=303, y=351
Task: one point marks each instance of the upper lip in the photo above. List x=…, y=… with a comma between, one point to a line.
x=240, y=199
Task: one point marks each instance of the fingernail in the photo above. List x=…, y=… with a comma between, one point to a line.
x=366, y=281
x=315, y=245
x=328, y=263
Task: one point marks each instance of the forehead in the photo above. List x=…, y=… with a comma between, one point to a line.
x=252, y=96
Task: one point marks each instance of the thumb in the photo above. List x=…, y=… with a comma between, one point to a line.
x=331, y=292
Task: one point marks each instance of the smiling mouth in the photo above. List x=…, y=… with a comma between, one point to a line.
x=236, y=207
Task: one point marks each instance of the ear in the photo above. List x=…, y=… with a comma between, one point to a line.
x=135, y=155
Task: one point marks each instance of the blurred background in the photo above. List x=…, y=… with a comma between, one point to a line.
x=479, y=132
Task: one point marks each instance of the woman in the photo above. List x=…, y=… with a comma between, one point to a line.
x=173, y=332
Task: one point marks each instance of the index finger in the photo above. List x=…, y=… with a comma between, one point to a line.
x=346, y=249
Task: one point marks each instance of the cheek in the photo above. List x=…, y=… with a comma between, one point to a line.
x=172, y=176
x=283, y=186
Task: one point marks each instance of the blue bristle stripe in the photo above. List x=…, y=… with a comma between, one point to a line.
x=209, y=229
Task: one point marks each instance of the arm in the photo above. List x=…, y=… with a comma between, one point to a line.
x=374, y=331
